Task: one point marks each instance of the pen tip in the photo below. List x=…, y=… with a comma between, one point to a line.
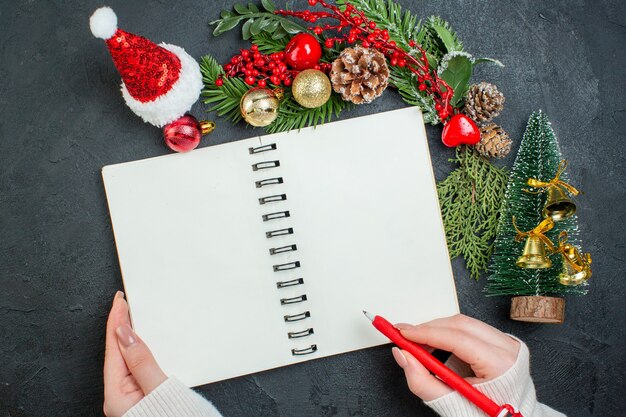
x=368, y=315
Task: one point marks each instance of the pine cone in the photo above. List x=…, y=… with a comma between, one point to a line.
x=494, y=142
x=359, y=74
x=483, y=102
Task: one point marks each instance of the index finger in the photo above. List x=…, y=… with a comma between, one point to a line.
x=478, y=329
x=114, y=365
x=466, y=346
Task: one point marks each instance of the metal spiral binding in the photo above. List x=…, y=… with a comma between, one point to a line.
x=287, y=266
x=263, y=148
x=265, y=165
x=277, y=215
x=297, y=317
x=277, y=251
x=269, y=181
x=290, y=283
x=303, y=333
x=305, y=351
x=272, y=198
x=293, y=300
x=279, y=232
x=283, y=249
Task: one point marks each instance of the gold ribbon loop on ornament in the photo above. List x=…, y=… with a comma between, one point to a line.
x=545, y=226
x=554, y=182
x=571, y=254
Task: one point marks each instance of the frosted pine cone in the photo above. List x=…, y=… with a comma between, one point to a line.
x=359, y=74
x=494, y=142
x=483, y=102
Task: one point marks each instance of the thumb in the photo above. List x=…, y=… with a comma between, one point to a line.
x=139, y=360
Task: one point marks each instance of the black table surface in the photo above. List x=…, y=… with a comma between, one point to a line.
x=63, y=118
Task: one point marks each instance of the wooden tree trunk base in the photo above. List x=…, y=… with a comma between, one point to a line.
x=538, y=309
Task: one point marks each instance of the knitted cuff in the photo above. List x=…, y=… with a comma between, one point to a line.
x=172, y=398
x=514, y=387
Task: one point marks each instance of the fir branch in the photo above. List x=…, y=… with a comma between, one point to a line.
x=438, y=38
x=406, y=83
x=470, y=198
x=225, y=99
x=293, y=116
x=401, y=24
x=268, y=44
x=256, y=21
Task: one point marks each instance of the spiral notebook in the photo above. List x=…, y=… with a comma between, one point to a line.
x=261, y=253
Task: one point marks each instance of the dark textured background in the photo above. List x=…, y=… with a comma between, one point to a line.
x=62, y=118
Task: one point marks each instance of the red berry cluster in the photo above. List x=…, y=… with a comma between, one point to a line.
x=369, y=35
x=258, y=69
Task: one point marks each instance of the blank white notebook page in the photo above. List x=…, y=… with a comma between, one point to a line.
x=364, y=232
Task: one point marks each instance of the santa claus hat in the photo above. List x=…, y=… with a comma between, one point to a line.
x=160, y=83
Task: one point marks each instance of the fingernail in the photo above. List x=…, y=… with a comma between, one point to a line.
x=403, y=326
x=119, y=294
x=126, y=335
x=399, y=357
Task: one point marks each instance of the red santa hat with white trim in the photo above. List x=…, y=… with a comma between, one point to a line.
x=160, y=83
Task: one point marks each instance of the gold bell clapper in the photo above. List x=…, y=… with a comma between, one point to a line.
x=576, y=267
x=534, y=255
x=558, y=204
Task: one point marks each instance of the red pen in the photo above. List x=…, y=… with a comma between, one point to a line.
x=444, y=373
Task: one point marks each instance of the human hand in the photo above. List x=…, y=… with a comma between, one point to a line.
x=130, y=370
x=488, y=351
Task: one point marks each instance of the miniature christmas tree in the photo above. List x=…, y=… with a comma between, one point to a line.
x=539, y=157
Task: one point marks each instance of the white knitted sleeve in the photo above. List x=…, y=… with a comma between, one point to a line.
x=172, y=398
x=514, y=387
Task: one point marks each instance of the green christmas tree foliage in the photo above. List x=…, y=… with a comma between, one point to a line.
x=538, y=157
x=470, y=198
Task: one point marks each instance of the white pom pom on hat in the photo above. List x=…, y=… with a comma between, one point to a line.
x=103, y=23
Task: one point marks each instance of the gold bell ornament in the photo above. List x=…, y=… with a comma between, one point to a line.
x=259, y=106
x=576, y=267
x=534, y=255
x=558, y=205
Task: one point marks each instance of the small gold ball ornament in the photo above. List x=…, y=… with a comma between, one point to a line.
x=259, y=106
x=311, y=88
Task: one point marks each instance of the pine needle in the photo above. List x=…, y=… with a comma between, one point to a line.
x=401, y=24
x=406, y=83
x=267, y=44
x=293, y=116
x=470, y=198
x=225, y=99
x=437, y=38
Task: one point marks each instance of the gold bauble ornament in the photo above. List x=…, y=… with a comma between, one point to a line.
x=259, y=106
x=311, y=88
